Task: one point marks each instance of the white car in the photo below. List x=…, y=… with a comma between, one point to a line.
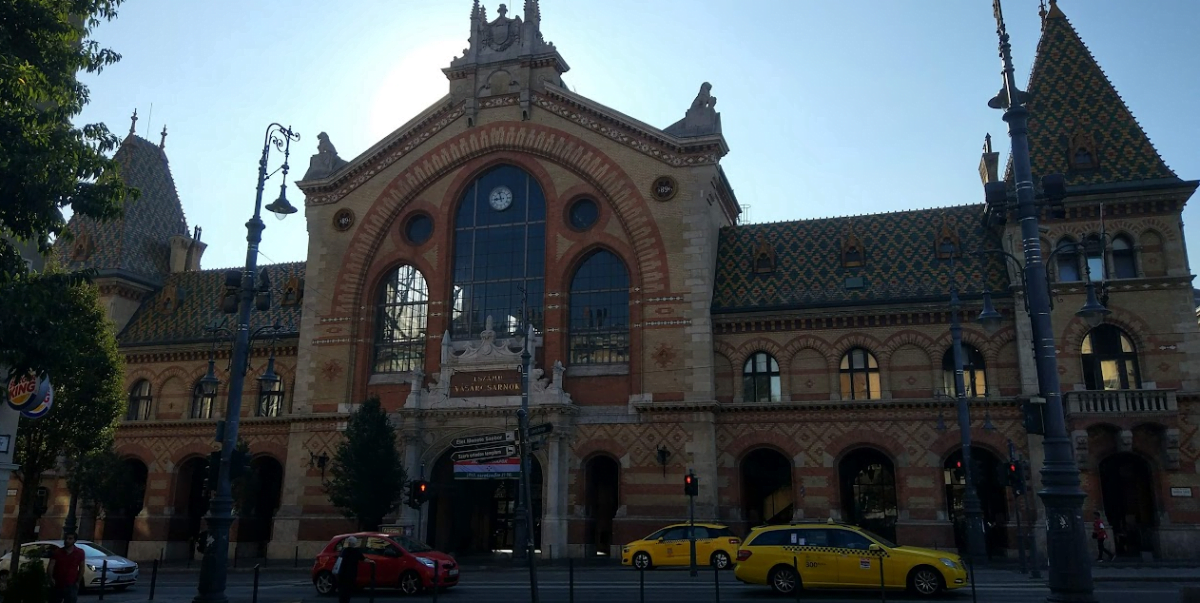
x=122, y=573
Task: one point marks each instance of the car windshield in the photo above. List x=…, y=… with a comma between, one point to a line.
x=656, y=535
x=94, y=550
x=879, y=539
x=412, y=546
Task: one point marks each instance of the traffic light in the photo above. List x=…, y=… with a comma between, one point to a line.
x=409, y=499
x=1016, y=478
x=420, y=491
x=691, y=485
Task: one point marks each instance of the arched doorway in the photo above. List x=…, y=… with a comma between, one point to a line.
x=1128, y=491
x=766, y=487
x=191, y=505
x=868, y=487
x=257, y=497
x=993, y=497
x=475, y=516
x=118, y=522
x=603, y=474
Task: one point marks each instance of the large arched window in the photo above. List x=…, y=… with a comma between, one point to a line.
x=1122, y=258
x=140, y=399
x=400, y=321
x=760, y=379
x=1109, y=360
x=270, y=399
x=1067, y=260
x=973, y=375
x=599, y=329
x=499, y=254
x=202, y=404
x=860, y=375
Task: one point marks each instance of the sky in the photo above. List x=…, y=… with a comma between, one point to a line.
x=829, y=108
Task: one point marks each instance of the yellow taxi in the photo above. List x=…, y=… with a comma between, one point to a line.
x=715, y=545
x=842, y=556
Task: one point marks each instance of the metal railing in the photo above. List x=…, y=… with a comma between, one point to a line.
x=1122, y=401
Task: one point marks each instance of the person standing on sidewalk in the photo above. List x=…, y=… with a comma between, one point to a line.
x=66, y=570
x=1100, y=535
x=346, y=569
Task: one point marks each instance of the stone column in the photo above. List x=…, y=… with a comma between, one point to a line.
x=412, y=464
x=554, y=522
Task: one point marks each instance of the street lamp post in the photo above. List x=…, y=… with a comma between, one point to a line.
x=976, y=545
x=1070, y=576
x=211, y=587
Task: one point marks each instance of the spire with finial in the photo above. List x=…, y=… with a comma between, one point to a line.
x=475, y=10
x=1042, y=9
x=987, y=143
x=162, y=142
x=133, y=123
x=533, y=13
x=1055, y=12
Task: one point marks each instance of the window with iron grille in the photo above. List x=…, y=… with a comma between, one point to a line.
x=599, y=329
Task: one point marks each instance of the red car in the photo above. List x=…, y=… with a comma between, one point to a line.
x=400, y=562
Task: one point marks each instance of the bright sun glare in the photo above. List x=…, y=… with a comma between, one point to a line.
x=414, y=83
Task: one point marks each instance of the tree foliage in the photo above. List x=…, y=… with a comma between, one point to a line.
x=368, y=473
x=104, y=479
x=46, y=162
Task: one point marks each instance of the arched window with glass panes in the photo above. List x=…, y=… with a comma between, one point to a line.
x=599, y=329
x=860, y=375
x=1109, y=360
x=270, y=398
x=1123, y=262
x=974, y=377
x=499, y=254
x=400, y=321
x=1066, y=255
x=202, y=404
x=760, y=379
x=140, y=400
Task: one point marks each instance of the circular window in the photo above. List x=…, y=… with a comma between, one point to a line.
x=418, y=229
x=583, y=214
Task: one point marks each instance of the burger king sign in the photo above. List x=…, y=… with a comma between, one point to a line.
x=31, y=395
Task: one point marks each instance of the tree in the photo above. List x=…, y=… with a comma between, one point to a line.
x=87, y=374
x=103, y=479
x=368, y=473
x=46, y=162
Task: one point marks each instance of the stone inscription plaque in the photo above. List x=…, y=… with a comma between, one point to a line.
x=489, y=383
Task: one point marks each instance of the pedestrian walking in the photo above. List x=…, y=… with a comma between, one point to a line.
x=66, y=571
x=346, y=569
x=1100, y=535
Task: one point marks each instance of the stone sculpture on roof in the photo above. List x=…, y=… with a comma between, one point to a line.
x=701, y=119
x=326, y=161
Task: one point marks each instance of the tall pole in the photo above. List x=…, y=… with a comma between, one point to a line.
x=1070, y=576
x=526, y=513
x=519, y=520
x=976, y=544
x=70, y=524
x=211, y=587
x=692, y=529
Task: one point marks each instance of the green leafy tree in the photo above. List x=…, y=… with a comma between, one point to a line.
x=368, y=473
x=46, y=162
x=88, y=399
x=103, y=479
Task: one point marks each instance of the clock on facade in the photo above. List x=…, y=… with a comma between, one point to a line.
x=500, y=198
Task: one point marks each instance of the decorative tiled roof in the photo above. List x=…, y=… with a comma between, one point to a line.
x=1073, y=103
x=138, y=243
x=188, y=302
x=899, y=261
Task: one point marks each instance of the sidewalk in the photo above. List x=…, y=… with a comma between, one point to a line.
x=1105, y=572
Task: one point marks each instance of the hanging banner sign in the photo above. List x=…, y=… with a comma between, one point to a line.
x=509, y=468
x=23, y=392
x=45, y=394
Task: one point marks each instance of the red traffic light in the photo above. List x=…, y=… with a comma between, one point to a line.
x=1012, y=467
x=422, y=487
x=687, y=479
x=958, y=465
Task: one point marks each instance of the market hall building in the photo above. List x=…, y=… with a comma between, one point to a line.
x=801, y=369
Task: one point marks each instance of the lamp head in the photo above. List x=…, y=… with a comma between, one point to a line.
x=989, y=318
x=1093, y=312
x=209, y=383
x=280, y=207
x=269, y=381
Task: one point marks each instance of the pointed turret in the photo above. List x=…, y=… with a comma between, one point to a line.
x=1078, y=124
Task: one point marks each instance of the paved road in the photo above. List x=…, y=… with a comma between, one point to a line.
x=604, y=585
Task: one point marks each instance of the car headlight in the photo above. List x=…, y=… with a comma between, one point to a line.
x=427, y=561
x=949, y=563
x=91, y=566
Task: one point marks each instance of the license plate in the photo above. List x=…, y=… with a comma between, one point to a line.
x=452, y=572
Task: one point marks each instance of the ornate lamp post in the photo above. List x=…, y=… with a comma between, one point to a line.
x=211, y=587
x=1070, y=570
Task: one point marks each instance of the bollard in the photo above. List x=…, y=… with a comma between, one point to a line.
x=296, y=561
x=717, y=582
x=971, y=577
x=796, y=566
x=254, y=595
x=153, y=578
x=103, y=577
x=882, y=587
x=371, y=597
x=235, y=559
x=570, y=580
x=642, y=584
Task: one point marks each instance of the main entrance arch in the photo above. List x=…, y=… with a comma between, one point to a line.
x=1128, y=490
x=475, y=516
x=868, y=487
x=603, y=474
x=118, y=523
x=993, y=499
x=258, y=500
x=766, y=487
x=191, y=505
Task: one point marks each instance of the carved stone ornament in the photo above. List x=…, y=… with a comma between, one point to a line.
x=501, y=33
x=325, y=162
x=343, y=219
x=701, y=119
x=664, y=188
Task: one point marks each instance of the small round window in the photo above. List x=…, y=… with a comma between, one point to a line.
x=583, y=214
x=418, y=229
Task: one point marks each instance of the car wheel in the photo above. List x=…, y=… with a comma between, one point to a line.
x=719, y=560
x=925, y=581
x=410, y=583
x=785, y=580
x=641, y=560
x=324, y=584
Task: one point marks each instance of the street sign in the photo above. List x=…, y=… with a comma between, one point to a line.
x=542, y=429
x=500, y=437
x=483, y=454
